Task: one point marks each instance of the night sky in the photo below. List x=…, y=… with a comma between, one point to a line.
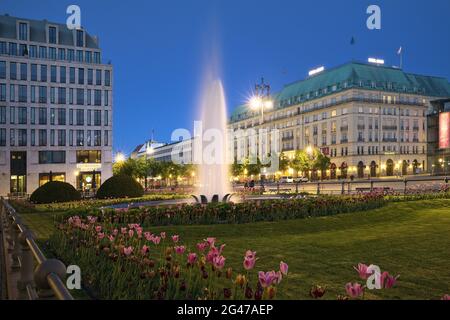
x=157, y=47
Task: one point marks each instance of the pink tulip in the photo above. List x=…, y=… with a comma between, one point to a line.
x=266, y=278
x=131, y=233
x=145, y=250
x=115, y=232
x=446, y=297
x=249, y=263
x=98, y=228
x=278, y=277
x=163, y=235
x=156, y=240
x=284, y=268
x=362, y=271
x=388, y=281
x=210, y=241
x=250, y=254
x=175, y=238
x=111, y=238
x=180, y=249
x=201, y=246
x=123, y=230
x=148, y=236
x=128, y=251
x=191, y=258
x=354, y=290
x=219, y=262
x=100, y=235
x=139, y=232
x=213, y=253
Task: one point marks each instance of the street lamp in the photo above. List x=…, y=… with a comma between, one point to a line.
x=120, y=157
x=261, y=100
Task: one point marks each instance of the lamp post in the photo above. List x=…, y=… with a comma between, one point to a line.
x=261, y=100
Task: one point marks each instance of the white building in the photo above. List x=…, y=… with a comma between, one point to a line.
x=55, y=107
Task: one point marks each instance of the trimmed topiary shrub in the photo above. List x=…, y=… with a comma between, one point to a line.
x=55, y=191
x=120, y=186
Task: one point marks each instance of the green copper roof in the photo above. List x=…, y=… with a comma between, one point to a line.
x=354, y=75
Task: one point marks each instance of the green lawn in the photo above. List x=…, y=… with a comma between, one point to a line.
x=409, y=238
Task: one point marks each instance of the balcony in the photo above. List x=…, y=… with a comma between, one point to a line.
x=344, y=140
x=389, y=127
x=361, y=127
x=389, y=139
x=344, y=128
x=415, y=128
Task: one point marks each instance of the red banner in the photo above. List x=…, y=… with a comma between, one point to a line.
x=444, y=130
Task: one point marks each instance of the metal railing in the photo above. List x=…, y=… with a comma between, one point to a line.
x=29, y=274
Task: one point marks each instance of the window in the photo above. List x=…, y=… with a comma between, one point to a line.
x=23, y=93
x=97, y=138
x=107, y=78
x=2, y=92
x=62, y=95
x=23, y=71
x=89, y=117
x=43, y=52
x=2, y=115
x=70, y=55
x=61, y=138
x=33, y=94
x=52, y=35
x=80, y=76
x=52, y=137
x=80, y=138
x=32, y=137
x=92, y=156
x=22, y=136
x=43, y=73
x=13, y=71
x=72, y=75
x=34, y=72
x=33, y=115
x=98, y=77
x=52, y=53
x=80, y=97
x=52, y=116
x=106, y=138
x=12, y=137
x=2, y=69
x=62, y=117
x=80, y=117
x=62, y=74
x=98, y=97
x=79, y=55
x=53, y=74
x=3, y=48
x=88, y=138
x=97, y=118
x=70, y=137
x=12, y=93
x=89, y=56
x=12, y=115
x=42, y=94
x=89, y=97
x=97, y=58
x=90, y=77
x=71, y=117
x=2, y=137
x=106, y=118
x=48, y=157
x=12, y=49
x=45, y=177
x=33, y=52
x=42, y=116
x=22, y=115
x=42, y=137
x=80, y=38
x=107, y=98
x=62, y=54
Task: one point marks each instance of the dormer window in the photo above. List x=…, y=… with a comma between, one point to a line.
x=52, y=35
x=23, y=31
x=80, y=38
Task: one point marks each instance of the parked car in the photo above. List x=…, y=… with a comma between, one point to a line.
x=301, y=180
x=286, y=179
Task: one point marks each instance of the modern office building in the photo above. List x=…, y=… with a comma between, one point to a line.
x=56, y=107
x=438, y=120
x=369, y=119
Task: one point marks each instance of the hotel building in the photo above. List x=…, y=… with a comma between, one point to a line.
x=55, y=107
x=369, y=119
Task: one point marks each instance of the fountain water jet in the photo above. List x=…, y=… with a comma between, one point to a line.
x=214, y=166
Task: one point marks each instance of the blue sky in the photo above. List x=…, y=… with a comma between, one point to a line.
x=157, y=47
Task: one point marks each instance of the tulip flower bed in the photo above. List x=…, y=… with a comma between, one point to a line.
x=130, y=263
x=237, y=213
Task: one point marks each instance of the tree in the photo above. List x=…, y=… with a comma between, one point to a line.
x=127, y=168
x=302, y=161
x=237, y=169
x=322, y=163
x=283, y=162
